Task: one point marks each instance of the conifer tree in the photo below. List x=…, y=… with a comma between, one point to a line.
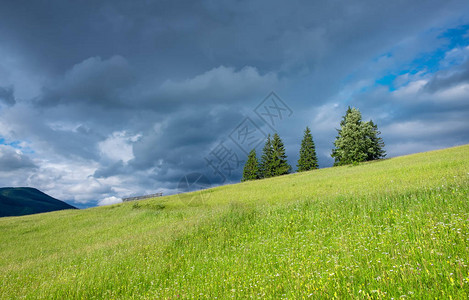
x=357, y=141
x=280, y=164
x=350, y=143
x=375, y=144
x=265, y=166
x=308, y=159
x=251, y=168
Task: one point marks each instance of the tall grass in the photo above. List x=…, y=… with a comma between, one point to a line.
x=388, y=229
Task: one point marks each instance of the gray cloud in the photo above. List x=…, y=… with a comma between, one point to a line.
x=218, y=84
x=94, y=82
x=449, y=78
x=7, y=95
x=111, y=169
x=13, y=160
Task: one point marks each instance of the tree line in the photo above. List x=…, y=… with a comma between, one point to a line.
x=357, y=141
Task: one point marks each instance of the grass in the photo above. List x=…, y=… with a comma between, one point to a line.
x=381, y=230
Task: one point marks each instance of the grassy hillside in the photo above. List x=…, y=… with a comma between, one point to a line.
x=388, y=229
x=25, y=201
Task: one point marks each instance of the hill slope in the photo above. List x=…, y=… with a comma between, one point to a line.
x=25, y=201
x=394, y=228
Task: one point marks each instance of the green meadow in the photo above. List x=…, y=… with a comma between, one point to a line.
x=387, y=229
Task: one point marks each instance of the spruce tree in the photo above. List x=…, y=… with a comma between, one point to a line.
x=280, y=164
x=265, y=166
x=357, y=141
x=308, y=159
x=350, y=143
x=375, y=144
x=251, y=168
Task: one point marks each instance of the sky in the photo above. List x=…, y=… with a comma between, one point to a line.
x=101, y=100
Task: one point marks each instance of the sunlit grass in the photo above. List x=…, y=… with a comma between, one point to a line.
x=388, y=229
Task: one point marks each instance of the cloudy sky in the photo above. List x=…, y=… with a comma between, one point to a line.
x=106, y=99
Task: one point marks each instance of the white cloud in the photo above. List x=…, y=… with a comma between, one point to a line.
x=109, y=201
x=411, y=89
x=327, y=117
x=431, y=88
x=456, y=93
x=455, y=56
x=421, y=128
x=118, y=146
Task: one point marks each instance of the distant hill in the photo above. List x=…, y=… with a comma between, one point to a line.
x=25, y=201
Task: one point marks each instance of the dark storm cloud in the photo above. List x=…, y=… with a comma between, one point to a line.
x=128, y=97
x=7, y=95
x=92, y=82
x=185, y=37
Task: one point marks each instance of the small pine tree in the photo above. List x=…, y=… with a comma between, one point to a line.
x=280, y=164
x=251, y=168
x=265, y=166
x=308, y=159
